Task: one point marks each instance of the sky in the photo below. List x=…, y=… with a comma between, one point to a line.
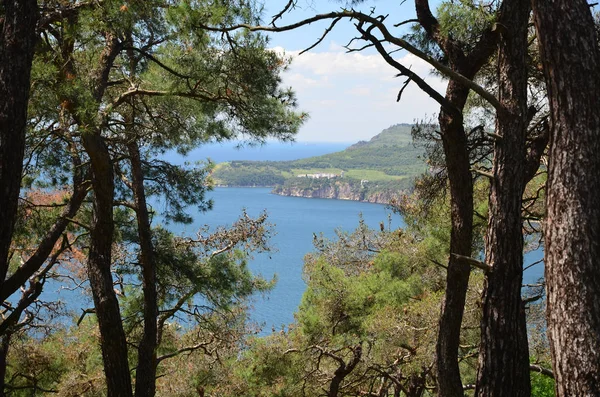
x=349, y=96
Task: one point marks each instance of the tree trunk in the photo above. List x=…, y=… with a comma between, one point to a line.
x=343, y=370
x=47, y=243
x=503, y=355
x=112, y=335
x=145, y=382
x=456, y=154
x=4, y=346
x=461, y=236
x=571, y=60
x=17, y=41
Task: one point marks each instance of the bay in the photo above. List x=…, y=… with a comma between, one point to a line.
x=295, y=220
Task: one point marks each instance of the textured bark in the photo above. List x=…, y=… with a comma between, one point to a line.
x=145, y=381
x=17, y=41
x=4, y=346
x=571, y=61
x=456, y=153
x=503, y=355
x=112, y=335
x=461, y=237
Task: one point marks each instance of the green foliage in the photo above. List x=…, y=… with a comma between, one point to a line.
x=373, y=292
x=387, y=157
x=145, y=75
x=465, y=21
x=236, y=174
x=67, y=362
x=541, y=385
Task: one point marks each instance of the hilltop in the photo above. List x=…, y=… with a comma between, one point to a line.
x=371, y=170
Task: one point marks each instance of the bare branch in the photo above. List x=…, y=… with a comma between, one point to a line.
x=473, y=262
x=84, y=313
x=378, y=23
x=541, y=370
x=497, y=137
x=404, y=71
x=533, y=298
x=486, y=174
x=290, y=5
x=35, y=262
x=201, y=345
x=408, y=80
x=333, y=23
x=438, y=263
x=159, y=63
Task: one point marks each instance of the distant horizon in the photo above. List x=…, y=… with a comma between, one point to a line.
x=225, y=151
x=303, y=140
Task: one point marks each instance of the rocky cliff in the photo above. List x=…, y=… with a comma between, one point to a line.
x=339, y=190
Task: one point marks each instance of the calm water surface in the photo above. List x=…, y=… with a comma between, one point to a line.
x=295, y=219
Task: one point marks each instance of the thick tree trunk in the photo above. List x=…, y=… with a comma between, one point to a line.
x=571, y=59
x=145, y=382
x=17, y=41
x=457, y=278
x=112, y=335
x=504, y=356
x=4, y=346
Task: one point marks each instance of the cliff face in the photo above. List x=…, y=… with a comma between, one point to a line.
x=338, y=190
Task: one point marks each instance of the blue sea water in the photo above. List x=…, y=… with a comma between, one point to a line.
x=295, y=220
x=271, y=151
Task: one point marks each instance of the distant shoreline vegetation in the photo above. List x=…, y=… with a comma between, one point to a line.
x=373, y=171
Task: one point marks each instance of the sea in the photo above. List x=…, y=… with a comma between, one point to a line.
x=296, y=221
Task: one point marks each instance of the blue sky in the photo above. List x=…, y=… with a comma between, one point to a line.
x=349, y=96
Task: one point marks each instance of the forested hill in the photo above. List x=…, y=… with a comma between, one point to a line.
x=368, y=171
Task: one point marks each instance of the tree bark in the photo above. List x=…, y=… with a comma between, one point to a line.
x=145, y=382
x=17, y=42
x=503, y=355
x=113, y=341
x=343, y=370
x=4, y=346
x=112, y=336
x=461, y=237
x=456, y=153
x=571, y=61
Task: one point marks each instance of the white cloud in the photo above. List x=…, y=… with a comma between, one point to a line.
x=352, y=96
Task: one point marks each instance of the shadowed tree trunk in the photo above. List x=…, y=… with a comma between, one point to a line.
x=503, y=355
x=456, y=154
x=145, y=380
x=4, y=345
x=461, y=236
x=17, y=42
x=571, y=60
x=112, y=335
x=343, y=370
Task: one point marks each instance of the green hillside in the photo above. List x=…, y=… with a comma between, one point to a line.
x=388, y=157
